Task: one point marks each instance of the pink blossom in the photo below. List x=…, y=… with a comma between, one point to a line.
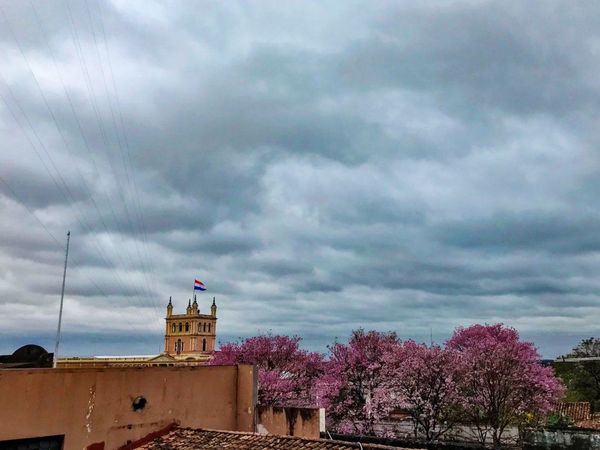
x=356, y=386
x=425, y=379
x=502, y=381
x=287, y=375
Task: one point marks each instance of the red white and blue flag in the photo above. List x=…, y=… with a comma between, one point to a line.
x=199, y=285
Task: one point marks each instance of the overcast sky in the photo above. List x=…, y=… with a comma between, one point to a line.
x=320, y=166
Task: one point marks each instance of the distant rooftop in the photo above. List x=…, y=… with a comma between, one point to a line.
x=116, y=357
x=187, y=438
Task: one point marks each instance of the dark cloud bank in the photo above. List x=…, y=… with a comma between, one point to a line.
x=408, y=166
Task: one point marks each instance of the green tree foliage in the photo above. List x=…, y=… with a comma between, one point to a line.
x=582, y=378
x=558, y=420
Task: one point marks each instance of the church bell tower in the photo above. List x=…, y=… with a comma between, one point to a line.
x=191, y=336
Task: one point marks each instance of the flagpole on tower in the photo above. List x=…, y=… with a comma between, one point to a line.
x=62, y=296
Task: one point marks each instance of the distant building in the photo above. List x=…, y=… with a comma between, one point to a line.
x=28, y=356
x=190, y=336
x=190, y=339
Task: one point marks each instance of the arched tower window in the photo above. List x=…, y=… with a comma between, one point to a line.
x=187, y=326
x=205, y=326
x=199, y=328
x=179, y=346
x=209, y=327
x=180, y=327
x=174, y=328
x=203, y=345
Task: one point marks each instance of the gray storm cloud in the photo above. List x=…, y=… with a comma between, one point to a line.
x=388, y=165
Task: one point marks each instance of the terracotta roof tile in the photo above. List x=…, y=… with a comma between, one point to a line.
x=594, y=423
x=575, y=410
x=190, y=439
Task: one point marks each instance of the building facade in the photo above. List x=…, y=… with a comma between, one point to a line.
x=190, y=336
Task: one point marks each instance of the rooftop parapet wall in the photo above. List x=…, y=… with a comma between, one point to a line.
x=90, y=406
x=289, y=421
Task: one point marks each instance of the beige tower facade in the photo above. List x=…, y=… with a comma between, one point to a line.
x=191, y=336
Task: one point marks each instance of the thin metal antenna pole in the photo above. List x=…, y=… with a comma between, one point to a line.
x=62, y=296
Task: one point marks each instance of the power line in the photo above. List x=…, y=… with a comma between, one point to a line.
x=120, y=145
x=67, y=95
x=91, y=94
x=50, y=111
x=127, y=146
x=58, y=180
x=62, y=186
x=76, y=260
x=63, y=190
x=48, y=232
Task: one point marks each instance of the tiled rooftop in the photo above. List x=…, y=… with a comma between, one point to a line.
x=593, y=423
x=575, y=410
x=188, y=439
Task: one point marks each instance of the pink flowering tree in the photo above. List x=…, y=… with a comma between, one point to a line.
x=426, y=380
x=502, y=382
x=287, y=375
x=356, y=386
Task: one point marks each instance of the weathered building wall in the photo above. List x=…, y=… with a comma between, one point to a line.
x=90, y=406
x=300, y=422
x=533, y=439
x=568, y=439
